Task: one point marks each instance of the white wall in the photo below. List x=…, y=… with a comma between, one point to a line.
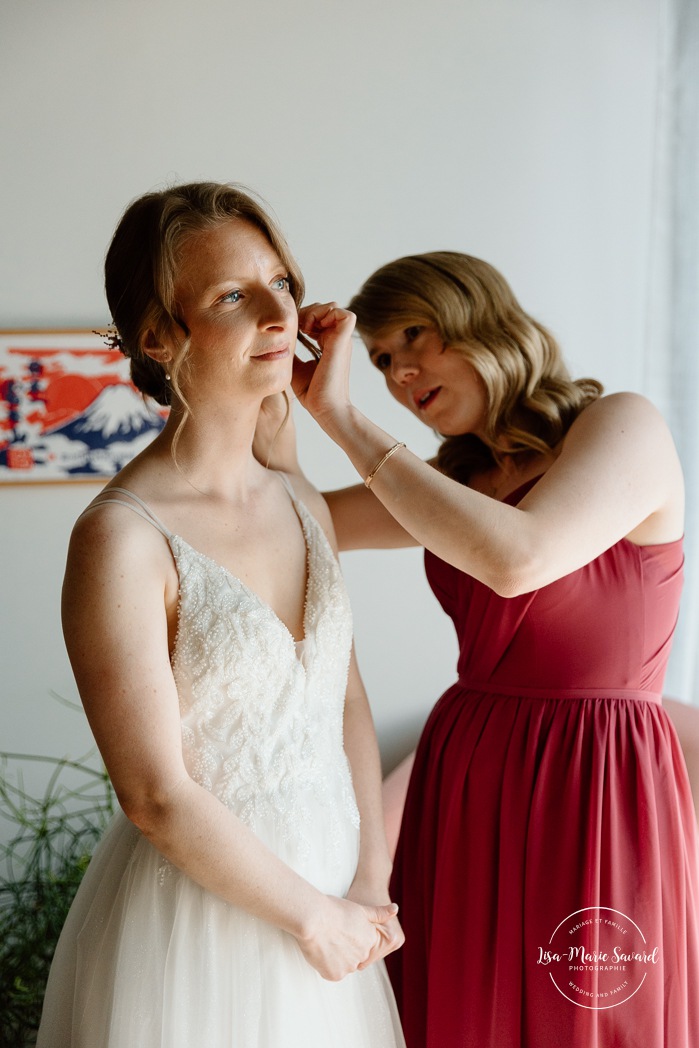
x=518, y=130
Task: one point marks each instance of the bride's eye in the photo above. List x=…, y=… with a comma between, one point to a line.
x=411, y=333
x=282, y=283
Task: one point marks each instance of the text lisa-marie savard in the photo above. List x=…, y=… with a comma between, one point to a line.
x=617, y=956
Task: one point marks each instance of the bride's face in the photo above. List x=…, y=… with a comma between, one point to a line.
x=232, y=292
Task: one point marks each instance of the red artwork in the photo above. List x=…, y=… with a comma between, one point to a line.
x=67, y=408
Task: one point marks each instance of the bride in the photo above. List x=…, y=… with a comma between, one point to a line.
x=237, y=899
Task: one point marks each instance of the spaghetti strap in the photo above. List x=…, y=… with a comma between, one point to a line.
x=141, y=509
x=287, y=484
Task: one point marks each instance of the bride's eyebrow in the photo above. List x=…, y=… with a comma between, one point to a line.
x=234, y=281
x=224, y=285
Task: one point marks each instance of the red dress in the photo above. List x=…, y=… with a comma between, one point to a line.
x=547, y=868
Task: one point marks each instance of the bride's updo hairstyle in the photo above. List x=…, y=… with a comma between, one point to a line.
x=532, y=400
x=141, y=269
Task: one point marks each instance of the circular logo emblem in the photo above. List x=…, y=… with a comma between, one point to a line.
x=598, y=957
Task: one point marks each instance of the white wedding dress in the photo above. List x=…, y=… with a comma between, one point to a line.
x=148, y=958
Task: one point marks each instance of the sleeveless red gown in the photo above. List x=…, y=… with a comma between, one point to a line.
x=547, y=868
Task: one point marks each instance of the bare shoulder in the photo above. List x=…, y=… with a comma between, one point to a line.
x=119, y=595
x=623, y=426
x=110, y=544
x=621, y=446
x=622, y=412
x=108, y=528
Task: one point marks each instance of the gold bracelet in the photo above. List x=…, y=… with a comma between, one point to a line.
x=382, y=462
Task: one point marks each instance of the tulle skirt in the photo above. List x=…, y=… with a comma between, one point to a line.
x=149, y=959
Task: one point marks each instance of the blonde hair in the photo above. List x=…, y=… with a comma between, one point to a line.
x=532, y=400
x=141, y=268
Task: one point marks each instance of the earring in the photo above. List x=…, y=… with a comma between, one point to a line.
x=167, y=376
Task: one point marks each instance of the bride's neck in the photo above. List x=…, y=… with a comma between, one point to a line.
x=211, y=451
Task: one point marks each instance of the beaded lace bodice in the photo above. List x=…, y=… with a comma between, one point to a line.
x=262, y=715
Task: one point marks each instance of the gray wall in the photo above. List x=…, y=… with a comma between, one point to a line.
x=518, y=131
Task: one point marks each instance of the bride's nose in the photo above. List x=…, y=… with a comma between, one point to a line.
x=274, y=310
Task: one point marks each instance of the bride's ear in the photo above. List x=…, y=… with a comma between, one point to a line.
x=154, y=349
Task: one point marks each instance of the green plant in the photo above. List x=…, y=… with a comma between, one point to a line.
x=40, y=870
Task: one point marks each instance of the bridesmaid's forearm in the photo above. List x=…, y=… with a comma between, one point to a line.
x=467, y=529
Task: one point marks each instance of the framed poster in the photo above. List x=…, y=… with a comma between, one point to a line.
x=68, y=410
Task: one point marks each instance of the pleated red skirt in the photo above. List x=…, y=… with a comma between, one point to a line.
x=547, y=867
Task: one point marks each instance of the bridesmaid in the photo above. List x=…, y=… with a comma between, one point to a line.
x=547, y=864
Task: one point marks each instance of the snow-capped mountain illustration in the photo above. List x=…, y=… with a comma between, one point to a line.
x=99, y=441
x=118, y=412
x=68, y=409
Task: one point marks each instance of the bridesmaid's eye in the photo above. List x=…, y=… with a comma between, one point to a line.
x=382, y=361
x=232, y=296
x=282, y=283
x=411, y=333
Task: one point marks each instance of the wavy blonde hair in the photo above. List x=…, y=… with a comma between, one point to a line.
x=141, y=268
x=532, y=400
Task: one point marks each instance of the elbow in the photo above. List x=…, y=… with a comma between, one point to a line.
x=517, y=573
x=514, y=584
x=141, y=810
x=505, y=586
x=148, y=808
x=509, y=586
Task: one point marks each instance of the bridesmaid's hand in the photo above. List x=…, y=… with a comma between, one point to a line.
x=322, y=386
x=345, y=936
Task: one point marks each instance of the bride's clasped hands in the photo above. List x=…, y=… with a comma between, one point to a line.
x=346, y=936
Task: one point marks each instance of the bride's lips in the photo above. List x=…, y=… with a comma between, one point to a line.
x=424, y=397
x=273, y=354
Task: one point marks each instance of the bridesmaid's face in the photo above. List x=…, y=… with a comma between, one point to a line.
x=430, y=379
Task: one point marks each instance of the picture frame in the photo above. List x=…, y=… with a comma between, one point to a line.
x=68, y=410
